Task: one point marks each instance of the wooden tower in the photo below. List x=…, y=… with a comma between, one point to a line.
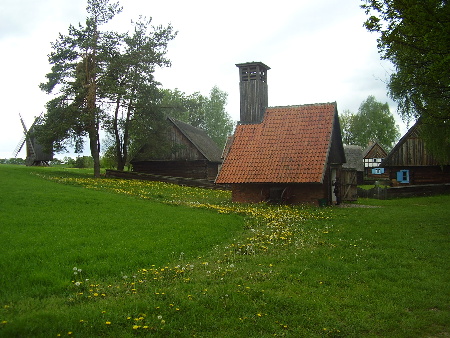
x=253, y=91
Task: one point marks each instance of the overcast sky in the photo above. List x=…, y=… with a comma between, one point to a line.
x=318, y=51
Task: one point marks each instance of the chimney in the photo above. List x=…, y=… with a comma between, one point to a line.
x=253, y=91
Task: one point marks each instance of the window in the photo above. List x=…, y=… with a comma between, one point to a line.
x=378, y=171
x=403, y=176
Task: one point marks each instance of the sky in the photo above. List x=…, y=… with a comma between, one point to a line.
x=318, y=51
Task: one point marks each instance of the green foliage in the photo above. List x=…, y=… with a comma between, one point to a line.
x=217, y=122
x=105, y=79
x=79, y=60
x=207, y=113
x=374, y=122
x=168, y=270
x=415, y=36
x=12, y=160
x=130, y=85
x=346, y=122
x=437, y=140
x=83, y=162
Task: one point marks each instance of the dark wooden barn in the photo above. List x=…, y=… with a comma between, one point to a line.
x=291, y=154
x=410, y=163
x=190, y=153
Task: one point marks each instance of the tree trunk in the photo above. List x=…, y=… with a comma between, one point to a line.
x=91, y=103
x=119, y=155
x=126, y=133
x=94, y=142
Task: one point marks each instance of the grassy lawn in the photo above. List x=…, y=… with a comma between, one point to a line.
x=114, y=258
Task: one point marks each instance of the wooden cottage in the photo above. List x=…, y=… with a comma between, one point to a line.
x=410, y=163
x=373, y=155
x=190, y=153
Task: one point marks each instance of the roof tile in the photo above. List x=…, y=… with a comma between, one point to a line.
x=290, y=145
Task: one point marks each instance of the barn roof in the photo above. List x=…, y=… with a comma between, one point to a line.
x=374, y=150
x=200, y=140
x=410, y=150
x=354, y=157
x=291, y=145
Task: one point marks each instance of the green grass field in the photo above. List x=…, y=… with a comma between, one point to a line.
x=113, y=258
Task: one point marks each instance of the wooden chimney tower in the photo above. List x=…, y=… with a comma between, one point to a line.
x=253, y=91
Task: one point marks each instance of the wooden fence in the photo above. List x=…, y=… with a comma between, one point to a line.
x=190, y=182
x=382, y=193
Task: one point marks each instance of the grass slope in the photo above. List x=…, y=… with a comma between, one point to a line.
x=164, y=260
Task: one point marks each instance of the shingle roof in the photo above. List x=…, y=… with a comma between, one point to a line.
x=291, y=145
x=200, y=140
x=354, y=157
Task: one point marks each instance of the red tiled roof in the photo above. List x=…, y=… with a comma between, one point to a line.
x=291, y=145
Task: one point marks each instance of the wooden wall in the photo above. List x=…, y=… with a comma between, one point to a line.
x=305, y=193
x=253, y=92
x=411, y=152
x=422, y=175
x=182, y=148
x=200, y=169
x=349, y=182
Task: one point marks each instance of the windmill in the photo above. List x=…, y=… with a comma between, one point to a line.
x=36, y=156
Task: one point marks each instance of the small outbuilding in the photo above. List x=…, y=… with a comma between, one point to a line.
x=184, y=151
x=409, y=162
x=291, y=154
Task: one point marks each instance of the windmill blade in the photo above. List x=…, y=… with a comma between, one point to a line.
x=23, y=125
x=19, y=146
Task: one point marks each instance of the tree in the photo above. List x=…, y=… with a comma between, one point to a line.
x=415, y=37
x=130, y=83
x=79, y=61
x=373, y=122
x=207, y=113
x=217, y=122
x=346, y=122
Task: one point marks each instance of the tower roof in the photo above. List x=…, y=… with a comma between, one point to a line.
x=252, y=63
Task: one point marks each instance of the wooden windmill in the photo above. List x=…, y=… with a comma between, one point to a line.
x=36, y=156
